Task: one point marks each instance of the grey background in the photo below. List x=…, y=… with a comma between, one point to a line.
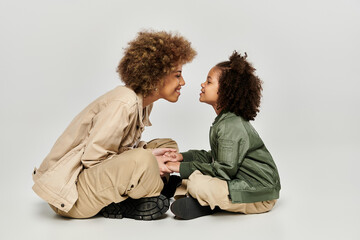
x=58, y=56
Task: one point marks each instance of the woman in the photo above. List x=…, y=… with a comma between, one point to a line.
x=99, y=159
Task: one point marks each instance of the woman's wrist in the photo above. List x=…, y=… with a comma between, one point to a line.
x=173, y=166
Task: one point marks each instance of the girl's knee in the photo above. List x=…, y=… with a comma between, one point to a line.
x=260, y=207
x=269, y=205
x=197, y=185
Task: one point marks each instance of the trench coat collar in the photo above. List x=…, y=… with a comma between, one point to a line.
x=144, y=113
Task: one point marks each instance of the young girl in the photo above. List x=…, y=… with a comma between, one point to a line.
x=238, y=174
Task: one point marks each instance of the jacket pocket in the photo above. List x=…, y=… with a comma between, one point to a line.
x=226, y=151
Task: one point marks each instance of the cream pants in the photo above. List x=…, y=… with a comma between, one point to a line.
x=211, y=191
x=134, y=173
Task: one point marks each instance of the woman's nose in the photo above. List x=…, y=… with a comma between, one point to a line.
x=182, y=82
x=202, y=85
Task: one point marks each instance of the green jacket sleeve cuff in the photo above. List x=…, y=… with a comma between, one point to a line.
x=185, y=170
x=187, y=156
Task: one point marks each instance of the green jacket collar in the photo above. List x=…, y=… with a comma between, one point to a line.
x=221, y=116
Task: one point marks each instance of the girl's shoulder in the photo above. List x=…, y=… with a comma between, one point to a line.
x=237, y=127
x=232, y=118
x=231, y=124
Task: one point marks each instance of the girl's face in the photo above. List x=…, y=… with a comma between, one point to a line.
x=170, y=90
x=209, y=88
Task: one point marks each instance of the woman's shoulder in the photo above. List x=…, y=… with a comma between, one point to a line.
x=120, y=94
x=119, y=97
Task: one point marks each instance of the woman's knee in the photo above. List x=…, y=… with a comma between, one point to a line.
x=146, y=181
x=162, y=143
x=170, y=143
x=146, y=165
x=146, y=159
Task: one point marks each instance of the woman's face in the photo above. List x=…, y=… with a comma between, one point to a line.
x=173, y=82
x=209, y=88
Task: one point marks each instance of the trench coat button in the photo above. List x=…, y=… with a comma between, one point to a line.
x=137, y=127
x=62, y=205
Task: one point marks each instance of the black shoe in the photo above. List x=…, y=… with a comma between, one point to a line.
x=171, y=185
x=141, y=209
x=189, y=208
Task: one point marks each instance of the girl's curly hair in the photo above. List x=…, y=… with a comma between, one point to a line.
x=151, y=56
x=239, y=88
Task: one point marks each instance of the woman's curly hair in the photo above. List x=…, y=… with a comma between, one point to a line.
x=239, y=88
x=151, y=56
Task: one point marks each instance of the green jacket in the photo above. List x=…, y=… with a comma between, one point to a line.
x=238, y=156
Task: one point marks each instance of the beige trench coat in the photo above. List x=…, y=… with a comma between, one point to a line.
x=110, y=125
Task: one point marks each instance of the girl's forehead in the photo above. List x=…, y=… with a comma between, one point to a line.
x=214, y=72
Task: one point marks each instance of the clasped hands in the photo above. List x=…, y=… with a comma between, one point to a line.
x=168, y=160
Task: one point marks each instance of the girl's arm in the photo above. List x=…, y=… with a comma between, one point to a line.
x=197, y=155
x=174, y=159
x=232, y=146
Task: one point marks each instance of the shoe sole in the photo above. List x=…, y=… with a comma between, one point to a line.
x=140, y=209
x=189, y=208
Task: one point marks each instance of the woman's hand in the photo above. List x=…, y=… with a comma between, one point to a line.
x=173, y=166
x=172, y=161
x=162, y=167
x=173, y=156
x=162, y=159
x=162, y=151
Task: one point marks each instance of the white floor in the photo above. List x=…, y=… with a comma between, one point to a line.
x=318, y=201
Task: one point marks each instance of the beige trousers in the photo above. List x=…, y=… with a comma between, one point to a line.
x=134, y=173
x=211, y=191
